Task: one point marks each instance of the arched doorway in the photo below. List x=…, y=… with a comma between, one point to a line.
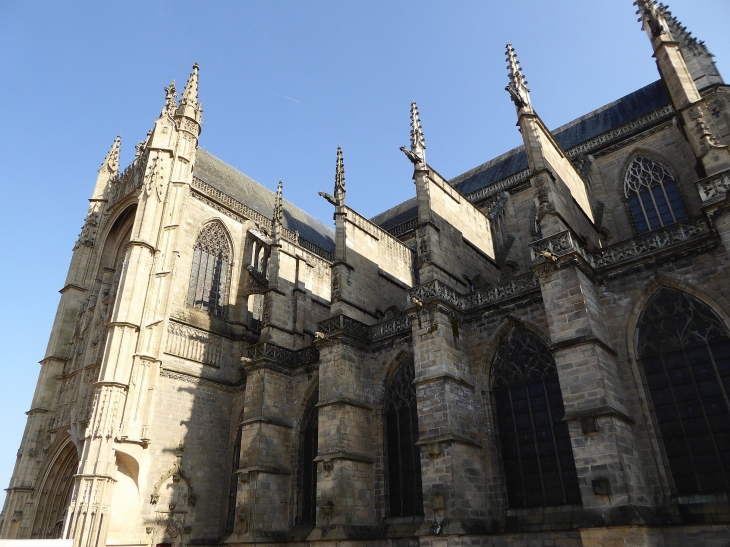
x=55, y=494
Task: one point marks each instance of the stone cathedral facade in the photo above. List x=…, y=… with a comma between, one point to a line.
x=536, y=352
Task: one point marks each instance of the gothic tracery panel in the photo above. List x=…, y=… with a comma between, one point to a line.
x=405, y=490
x=653, y=196
x=684, y=349
x=535, y=443
x=210, y=269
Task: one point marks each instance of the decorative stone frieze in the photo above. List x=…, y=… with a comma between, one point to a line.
x=283, y=356
x=714, y=188
x=196, y=345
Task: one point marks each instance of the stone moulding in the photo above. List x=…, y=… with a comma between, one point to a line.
x=240, y=211
x=283, y=356
x=714, y=188
x=564, y=243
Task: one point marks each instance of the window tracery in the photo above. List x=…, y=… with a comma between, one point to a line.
x=210, y=270
x=535, y=443
x=405, y=491
x=652, y=194
x=684, y=349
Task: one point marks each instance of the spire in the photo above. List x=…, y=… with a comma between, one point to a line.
x=417, y=138
x=417, y=153
x=170, y=100
x=278, y=206
x=517, y=87
x=189, y=104
x=340, y=178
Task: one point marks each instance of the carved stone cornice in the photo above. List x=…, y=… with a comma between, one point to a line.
x=551, y=253
x=270, y=353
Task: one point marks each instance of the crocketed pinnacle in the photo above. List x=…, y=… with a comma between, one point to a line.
x=279, y=206
x=340, y=176
x=170, y=99
x=111, y=161
x=190, y=94
x=418, y=141
x=680, y=32
x=652, y=15
x=517, y=88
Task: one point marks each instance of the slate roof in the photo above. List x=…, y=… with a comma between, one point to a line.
x=591, y=125
x=240, y=187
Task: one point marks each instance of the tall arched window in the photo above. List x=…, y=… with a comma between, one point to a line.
x=405, y=492
x=653, y=196
x=307, y=465
x=535, y=443
x=684, y=349
x=209, y=274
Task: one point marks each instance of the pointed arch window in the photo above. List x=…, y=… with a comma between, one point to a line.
x=684, y=350
x=405, y=492
x=210, y=271
x=535, y=443
x=652, y=194
x=307, y=464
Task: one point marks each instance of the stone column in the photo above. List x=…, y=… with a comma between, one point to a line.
x=454, y=478
x=606, y=457
x=345, y=456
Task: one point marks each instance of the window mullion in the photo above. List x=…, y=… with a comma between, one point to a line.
x=537, y=445
x=517, y=444
x=681, y=423
x=704, y=414
x=555, y=442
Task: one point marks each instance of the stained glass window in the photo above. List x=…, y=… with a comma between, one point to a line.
x=684, y=349
x=405, y=492
x=653, y=196
x=535, y=443
x=209, y=274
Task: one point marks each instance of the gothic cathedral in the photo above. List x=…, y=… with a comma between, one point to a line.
x=536, y=352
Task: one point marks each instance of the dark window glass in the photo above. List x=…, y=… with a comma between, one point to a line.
x=405, y=494
x=307, y=465
x=684, y=350
x=209, y=273
x=535, y=443
x=653, y=197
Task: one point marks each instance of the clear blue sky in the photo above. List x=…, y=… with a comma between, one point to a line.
x=282, y=84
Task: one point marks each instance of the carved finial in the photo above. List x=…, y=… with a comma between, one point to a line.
x=111, y=162
x=170, y=99
x=189, y=104
x=278, y=206
x=417, y=139
x=517, y=87
x=652, y=16
x=340, y=178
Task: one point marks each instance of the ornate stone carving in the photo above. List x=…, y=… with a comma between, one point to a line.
x=393, y=327
x=513, y=287
x=715, y=187
x=196, y=345
x=437, y=289
x=283, y=356
x=347, y=325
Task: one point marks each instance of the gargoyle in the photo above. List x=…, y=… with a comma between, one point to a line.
x=329, y=197
x=415, y=158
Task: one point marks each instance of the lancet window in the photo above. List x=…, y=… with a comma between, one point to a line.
x=652, y=194
x=210, y=271
x=405, y=492
x=307, y=465
x=684, y=349
x=535, y=443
